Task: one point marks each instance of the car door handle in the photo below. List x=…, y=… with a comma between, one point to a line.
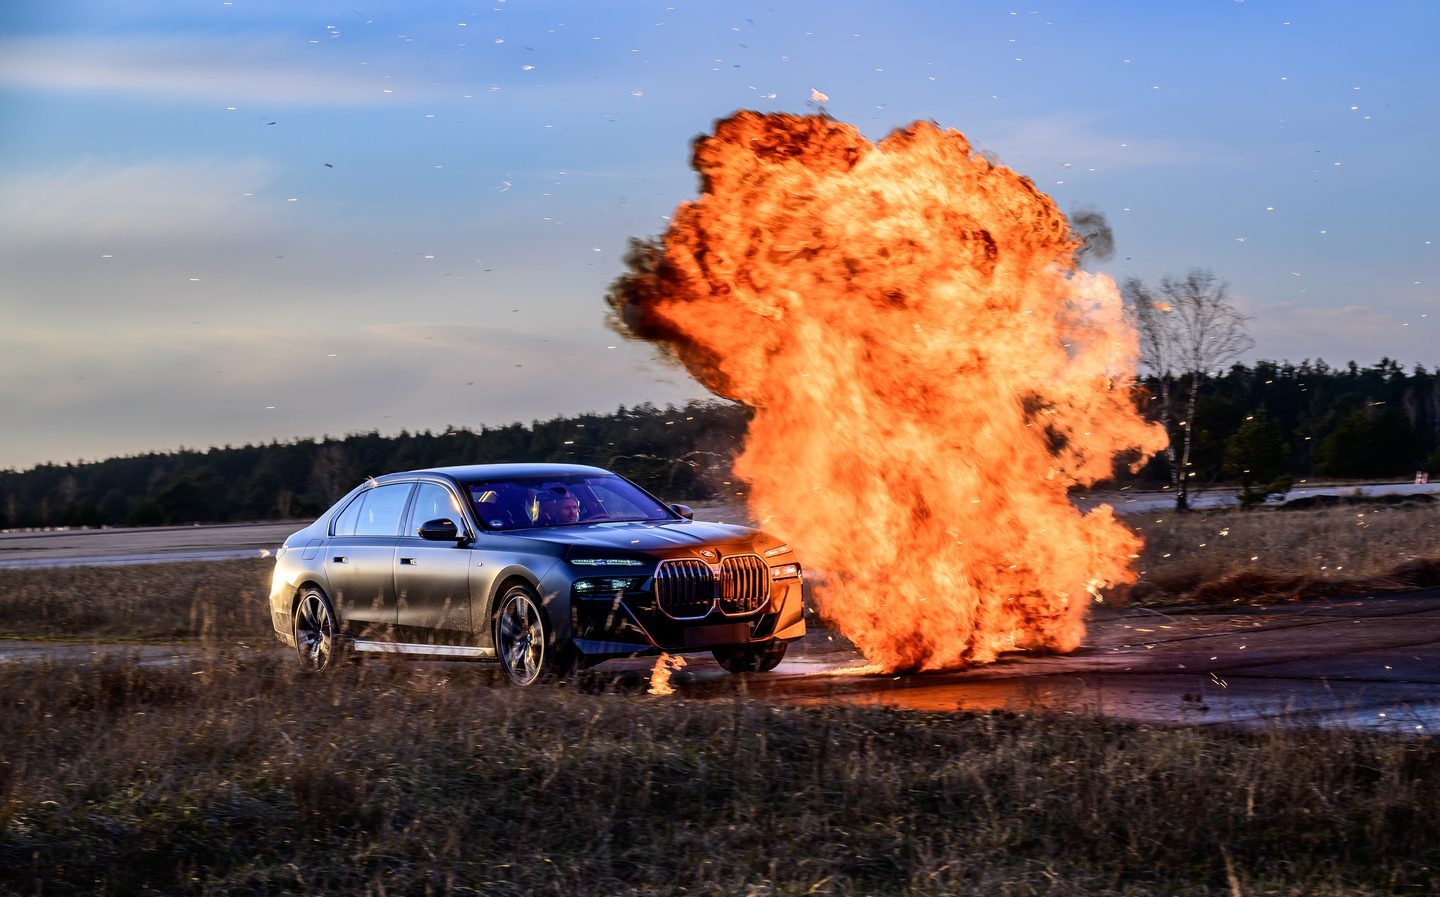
x=341, y=559
x=410, y=562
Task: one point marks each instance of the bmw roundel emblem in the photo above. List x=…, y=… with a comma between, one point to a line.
x=707, y=554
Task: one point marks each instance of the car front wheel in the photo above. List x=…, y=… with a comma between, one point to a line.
x=524, y=642
x=316, y=632
x=751, y=659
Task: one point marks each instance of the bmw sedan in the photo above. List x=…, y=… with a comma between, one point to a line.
x=539, y=567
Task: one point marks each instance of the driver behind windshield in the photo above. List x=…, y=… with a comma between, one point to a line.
x=567, y=509
x=557, y=506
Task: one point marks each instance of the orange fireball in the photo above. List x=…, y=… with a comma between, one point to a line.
x=930, y=375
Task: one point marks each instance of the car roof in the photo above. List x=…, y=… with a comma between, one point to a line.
x=492, y=471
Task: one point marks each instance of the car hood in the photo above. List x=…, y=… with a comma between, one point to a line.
x=643, y=536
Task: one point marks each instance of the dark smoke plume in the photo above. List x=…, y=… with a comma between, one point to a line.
x=1092, y=228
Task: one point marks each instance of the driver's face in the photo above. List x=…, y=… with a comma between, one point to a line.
x=568, y=509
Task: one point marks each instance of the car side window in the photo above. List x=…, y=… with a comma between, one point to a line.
x=345, y=523
x=380, y=514
x=433, y=501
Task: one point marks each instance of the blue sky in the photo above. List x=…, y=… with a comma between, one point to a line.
x=227, y=222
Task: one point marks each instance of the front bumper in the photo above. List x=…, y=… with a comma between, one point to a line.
x=630, y=622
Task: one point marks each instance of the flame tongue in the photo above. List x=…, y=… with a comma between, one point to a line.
x=665, y=666
x=930, y=374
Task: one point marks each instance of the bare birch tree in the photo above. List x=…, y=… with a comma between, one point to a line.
x=1188, y=330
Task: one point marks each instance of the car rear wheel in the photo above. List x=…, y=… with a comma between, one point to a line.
x=751, y=659
x=316, y=632
x=524, y=642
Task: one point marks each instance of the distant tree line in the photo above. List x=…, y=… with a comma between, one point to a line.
x=1255, y=424
x=1261, y=427
x=678, y=453
x=1252, y=425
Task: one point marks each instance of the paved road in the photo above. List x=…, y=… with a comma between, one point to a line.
x=16, y=651
x=142, y=545
x=1139, y=502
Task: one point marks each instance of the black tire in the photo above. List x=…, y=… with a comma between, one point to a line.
x=317, y=632
x=525, y=641
x=752, y=658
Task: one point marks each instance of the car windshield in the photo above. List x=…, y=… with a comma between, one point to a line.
x=564, y=500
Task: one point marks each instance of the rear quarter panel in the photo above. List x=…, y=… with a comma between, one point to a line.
x=298, y=564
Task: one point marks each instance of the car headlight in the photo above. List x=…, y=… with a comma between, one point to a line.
x=608, y=587
x=606, y=562
x=785, y=571
x=777, y=550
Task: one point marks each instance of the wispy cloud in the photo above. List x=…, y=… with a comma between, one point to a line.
x=1080, y=140
x=233, y=72
x=469, y=337
x=95, y=201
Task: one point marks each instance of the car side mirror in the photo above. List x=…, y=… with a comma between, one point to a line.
x=442, y=529
x=683, y=511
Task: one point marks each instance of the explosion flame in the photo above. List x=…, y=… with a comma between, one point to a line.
x=930, y=373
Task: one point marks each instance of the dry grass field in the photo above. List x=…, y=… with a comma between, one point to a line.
x=140, y=602
x=232, y=773
x=235, y=774
x=1227, y=556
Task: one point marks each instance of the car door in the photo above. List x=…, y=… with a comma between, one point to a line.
x=432, y=579
x=360, y=558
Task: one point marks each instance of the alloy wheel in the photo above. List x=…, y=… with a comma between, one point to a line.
x=315, y=632
x=520, y=638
